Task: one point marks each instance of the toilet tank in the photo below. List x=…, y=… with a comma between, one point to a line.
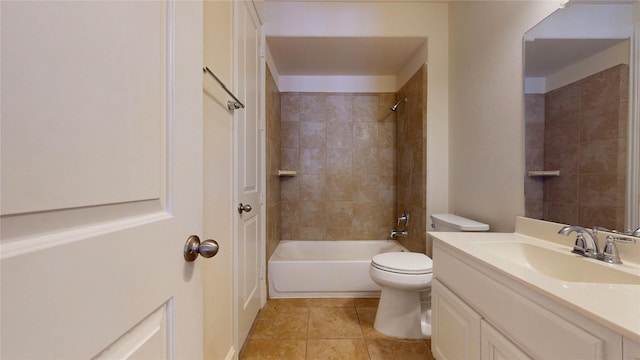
x=451, y=222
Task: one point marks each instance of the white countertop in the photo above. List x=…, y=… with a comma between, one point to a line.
x=615, y=306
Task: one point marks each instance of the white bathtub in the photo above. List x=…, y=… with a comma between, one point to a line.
x=325, y=268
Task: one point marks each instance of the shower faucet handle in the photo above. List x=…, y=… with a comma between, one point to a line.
x=404, y=218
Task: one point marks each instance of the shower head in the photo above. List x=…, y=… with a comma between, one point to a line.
x=395, y=107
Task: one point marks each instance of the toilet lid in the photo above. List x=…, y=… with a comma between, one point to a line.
x=403, y=262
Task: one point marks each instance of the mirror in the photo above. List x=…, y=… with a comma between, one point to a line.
x=578, y=169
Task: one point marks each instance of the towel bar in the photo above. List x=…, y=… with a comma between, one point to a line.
x=232, y=105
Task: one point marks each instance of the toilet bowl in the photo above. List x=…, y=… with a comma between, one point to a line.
x=404, y=310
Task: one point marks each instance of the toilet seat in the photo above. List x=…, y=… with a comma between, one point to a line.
x=408, y=263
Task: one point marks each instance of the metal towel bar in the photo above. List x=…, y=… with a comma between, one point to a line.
x=232, y=105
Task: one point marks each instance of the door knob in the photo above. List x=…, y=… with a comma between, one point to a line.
x=193, y=247
x=245, y=208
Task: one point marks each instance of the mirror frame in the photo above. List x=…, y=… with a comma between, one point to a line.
x=633, y=167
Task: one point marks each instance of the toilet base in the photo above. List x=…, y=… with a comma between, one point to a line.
x=404, y=314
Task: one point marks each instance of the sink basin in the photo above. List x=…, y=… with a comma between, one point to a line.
x=560, y=264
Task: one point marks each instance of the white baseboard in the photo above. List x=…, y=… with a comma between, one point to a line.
x=230, y=354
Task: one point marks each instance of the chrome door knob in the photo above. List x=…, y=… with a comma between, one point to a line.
x=245, y=208
x=193, y=247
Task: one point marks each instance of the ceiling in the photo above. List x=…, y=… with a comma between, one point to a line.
x=372, y=56
x=547, y=56
x=380, y=56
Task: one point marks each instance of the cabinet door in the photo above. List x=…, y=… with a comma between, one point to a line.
x=496, y=346
x=630, y=350
x=456, y=327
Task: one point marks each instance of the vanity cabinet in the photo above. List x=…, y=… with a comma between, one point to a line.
x=463, y=334
x=481, y=313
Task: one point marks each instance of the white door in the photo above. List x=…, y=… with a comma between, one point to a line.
x=247, y=172
x=101, y=156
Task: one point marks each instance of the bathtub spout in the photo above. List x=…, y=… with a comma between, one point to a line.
x=395, y=233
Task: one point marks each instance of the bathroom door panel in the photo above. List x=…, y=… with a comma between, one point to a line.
x=101, y=165
x=247, y=138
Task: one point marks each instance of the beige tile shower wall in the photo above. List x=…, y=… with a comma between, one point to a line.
x=273, y=163
x=585, y=138
x=343, y=147
x=534, y=154
x=411, y=159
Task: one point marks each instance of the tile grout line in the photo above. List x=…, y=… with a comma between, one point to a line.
x=364, y=340
x=306, y=340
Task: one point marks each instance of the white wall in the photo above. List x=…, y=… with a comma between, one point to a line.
x=218, y=185
x=379, y=19
x=486, y=120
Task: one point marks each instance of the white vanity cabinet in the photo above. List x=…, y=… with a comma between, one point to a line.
x=463, y=334
x=482, y=313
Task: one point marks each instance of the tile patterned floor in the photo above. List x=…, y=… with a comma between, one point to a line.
x=319, y=329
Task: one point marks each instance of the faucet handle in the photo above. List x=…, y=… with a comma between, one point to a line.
x=624, y=239
x=580, y=245
x=600, y=228
x=404, y=218
x=610, y=252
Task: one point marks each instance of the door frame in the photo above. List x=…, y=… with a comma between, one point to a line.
x=633, y=166
x=262, y=159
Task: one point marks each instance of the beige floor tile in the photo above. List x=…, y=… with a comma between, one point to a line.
x=389, y=349
x=275, y=350
x=333, y=323
x=282, y=324
x=278, y=303
x=337, y=349
x=367, y=317
x=428, y=343
x=292, y=329
x=331, y=302
x=366, y=302
x=273, y=308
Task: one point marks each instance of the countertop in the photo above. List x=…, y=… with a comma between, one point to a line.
x=615, y=306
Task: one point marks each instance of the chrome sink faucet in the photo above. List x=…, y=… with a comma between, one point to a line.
x=586, y=241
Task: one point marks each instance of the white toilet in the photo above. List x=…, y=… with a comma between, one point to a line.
x=404, y=310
